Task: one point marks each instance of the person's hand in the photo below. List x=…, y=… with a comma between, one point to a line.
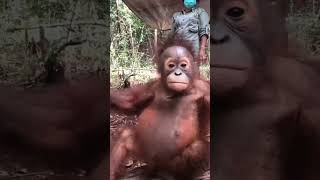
x=202, y=55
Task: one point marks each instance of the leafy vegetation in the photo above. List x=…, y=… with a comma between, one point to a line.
x=72, y=32
x=130, y=38
x=304, y=23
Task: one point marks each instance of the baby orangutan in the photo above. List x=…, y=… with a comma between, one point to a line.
x=172, y=135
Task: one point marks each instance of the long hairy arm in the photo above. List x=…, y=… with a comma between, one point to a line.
x=203, y=86
x=132, y=99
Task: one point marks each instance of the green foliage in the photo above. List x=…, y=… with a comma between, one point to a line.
x=304, y=24
x=56, y=9
x=130, y=38
x=74, y=30
x=43, y=8
x=205, y=70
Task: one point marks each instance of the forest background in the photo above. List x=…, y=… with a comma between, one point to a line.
x=131, y=44
x=132, y=41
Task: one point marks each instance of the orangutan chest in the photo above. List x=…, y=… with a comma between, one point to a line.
x=165, y=131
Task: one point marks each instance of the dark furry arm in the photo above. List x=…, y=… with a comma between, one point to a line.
x=134, y=98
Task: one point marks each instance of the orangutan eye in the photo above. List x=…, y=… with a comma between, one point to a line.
x=171, y=65
x=235, y=12
x=183, y=65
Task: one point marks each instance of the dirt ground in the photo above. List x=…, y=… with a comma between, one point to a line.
x=117, y=122
x=19, y=165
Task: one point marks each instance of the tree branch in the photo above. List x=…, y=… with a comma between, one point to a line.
x=89, y=23
x=69, y=43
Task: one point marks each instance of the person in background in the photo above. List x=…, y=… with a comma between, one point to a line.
x=192, y=24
